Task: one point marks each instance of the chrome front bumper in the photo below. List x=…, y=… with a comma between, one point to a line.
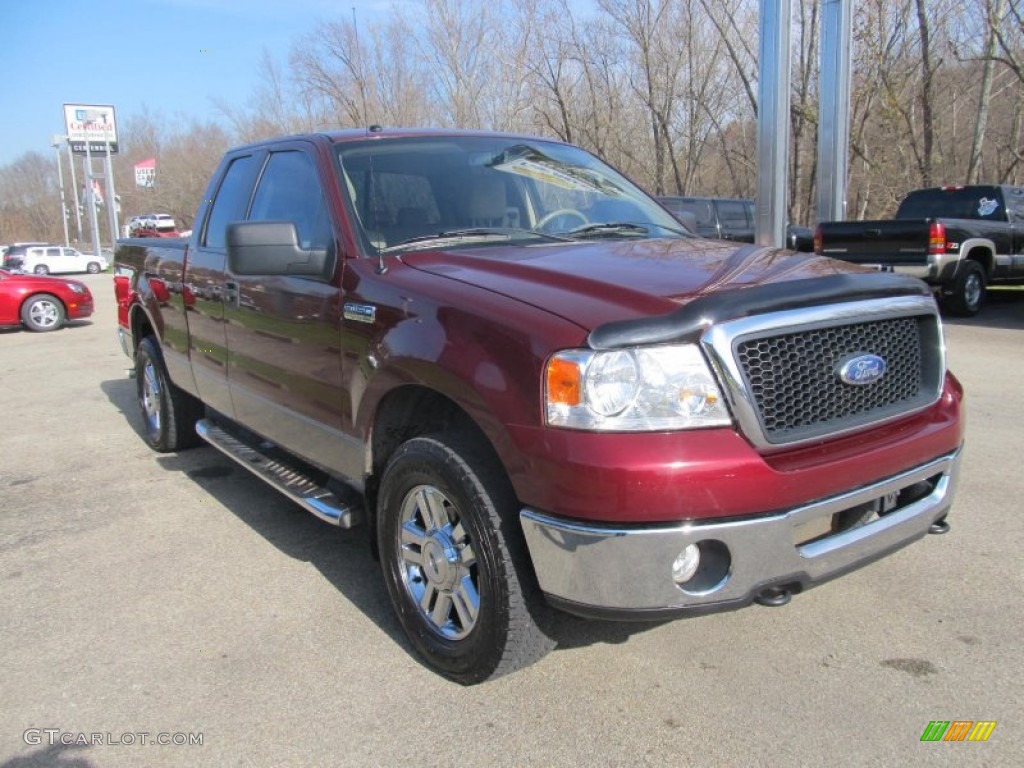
x=626, y=572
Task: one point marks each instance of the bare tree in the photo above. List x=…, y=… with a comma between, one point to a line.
x=1009, y=33
x=457, y=45
x=185, y=160
x=329, y=65
x=928, y=67
x=994, y=12
x=30, y=199
x=803, y=114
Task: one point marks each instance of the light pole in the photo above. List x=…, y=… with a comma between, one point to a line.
x=56, y=142
x=74, y=194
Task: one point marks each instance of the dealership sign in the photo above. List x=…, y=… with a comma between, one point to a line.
x=145, y=172
x=90, y=125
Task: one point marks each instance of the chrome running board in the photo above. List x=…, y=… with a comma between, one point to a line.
x=297, y=486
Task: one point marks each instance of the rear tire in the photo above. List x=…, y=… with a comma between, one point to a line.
x=967, y=291
x=454, y=560
x=93, y=268
x=169, y=414
x=41, y=269
x=42, y=312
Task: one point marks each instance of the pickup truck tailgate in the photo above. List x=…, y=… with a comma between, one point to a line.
x=899, y=241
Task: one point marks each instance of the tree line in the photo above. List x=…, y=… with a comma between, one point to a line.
x=665, y=90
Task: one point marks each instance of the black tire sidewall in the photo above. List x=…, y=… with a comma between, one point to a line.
x=957, y=302
x=429, y=461
x=973, y=309
x=147, y=351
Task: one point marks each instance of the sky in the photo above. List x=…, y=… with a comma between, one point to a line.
x=175, y=59
x=170, y=57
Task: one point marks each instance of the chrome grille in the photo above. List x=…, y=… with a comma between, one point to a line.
x=781, y=370
x=793, y=378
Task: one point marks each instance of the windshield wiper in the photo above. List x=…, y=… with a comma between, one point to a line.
x=608, y=228
x=473, y=233
x=601, y=229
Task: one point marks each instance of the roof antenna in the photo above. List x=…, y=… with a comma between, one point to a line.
x=359, y=58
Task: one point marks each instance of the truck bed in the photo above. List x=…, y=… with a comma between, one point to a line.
x=893, y=242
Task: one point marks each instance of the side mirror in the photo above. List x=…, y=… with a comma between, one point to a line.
x=272, y=248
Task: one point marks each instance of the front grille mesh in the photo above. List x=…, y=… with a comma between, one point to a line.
x=794, y=383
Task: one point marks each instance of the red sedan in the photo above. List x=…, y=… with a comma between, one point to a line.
x=41, y=303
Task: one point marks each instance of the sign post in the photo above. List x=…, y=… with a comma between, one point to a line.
x=74, y=193
x=57, y=142
x=773, y=123
x=90, y=199
x=92, y=128
x=834, y=109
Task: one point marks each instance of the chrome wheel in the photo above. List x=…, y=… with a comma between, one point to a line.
x=973, y=287
x=965, y=295
x=453, y=558
x=149, y=396
x=438, y=563
x=44, y=314
x=168, y=413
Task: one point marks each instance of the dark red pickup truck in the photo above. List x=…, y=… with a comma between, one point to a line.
x=531, y=385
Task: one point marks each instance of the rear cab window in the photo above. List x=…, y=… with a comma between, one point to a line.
x=976, y=202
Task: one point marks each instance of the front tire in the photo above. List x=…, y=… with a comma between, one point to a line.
x=454, y=560
x=43, y=312
x=169, y=414
x=967, y=292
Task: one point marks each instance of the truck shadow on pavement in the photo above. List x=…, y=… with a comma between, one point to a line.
x=342, y=556
x=51, y=756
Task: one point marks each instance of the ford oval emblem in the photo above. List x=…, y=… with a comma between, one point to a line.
x=862, y=369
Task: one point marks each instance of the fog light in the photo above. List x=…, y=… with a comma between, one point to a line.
x=685, y=564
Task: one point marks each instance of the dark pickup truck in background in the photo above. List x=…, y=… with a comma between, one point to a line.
x=728, y=218
x=957, y=239
x=529, y=384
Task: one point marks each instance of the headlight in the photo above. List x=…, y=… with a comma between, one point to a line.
x=640, y=389
x=76, y=288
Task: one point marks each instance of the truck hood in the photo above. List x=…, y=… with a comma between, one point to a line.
x=592, y=283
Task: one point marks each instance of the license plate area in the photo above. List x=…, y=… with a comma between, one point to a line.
x=822, y=527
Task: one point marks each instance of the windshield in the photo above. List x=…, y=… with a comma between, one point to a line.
x=412, y=192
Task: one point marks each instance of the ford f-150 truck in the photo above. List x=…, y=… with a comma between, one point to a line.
x=534, y=388
x=957, y=239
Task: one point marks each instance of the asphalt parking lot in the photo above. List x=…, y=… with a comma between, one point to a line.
x=174, y=598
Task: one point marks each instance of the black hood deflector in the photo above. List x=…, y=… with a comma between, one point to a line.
x=689, y=322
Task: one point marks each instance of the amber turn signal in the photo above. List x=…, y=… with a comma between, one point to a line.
x=564, y=382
